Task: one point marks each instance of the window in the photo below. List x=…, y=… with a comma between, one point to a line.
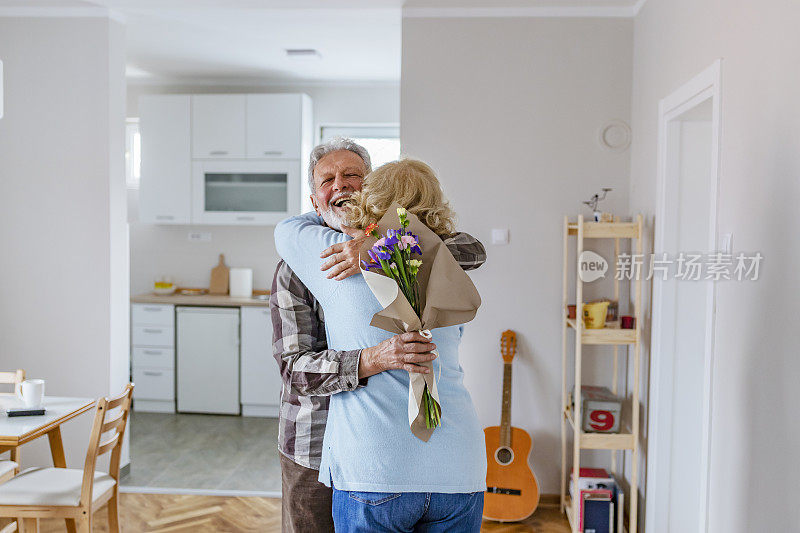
x=133, y=153
x=382, y=142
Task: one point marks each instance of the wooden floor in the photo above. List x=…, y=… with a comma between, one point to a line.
x=159, y=513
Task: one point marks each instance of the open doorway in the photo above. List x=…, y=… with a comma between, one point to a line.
x=205, y=417
x=682, y=344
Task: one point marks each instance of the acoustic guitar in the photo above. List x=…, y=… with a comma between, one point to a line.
x=512, y=492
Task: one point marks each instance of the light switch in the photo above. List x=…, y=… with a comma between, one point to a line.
x=500, y=236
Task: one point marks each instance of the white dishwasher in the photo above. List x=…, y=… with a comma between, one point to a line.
x=208, y=360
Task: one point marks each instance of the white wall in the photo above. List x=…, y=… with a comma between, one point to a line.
x=165, y=250
x=508, y=111
x=755, y=443
x=64, y=268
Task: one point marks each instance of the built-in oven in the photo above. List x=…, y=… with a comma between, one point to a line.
x=245, y=192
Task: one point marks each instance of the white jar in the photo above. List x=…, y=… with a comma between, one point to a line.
x=241, y=282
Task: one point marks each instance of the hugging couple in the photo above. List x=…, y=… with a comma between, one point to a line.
x=349, y=460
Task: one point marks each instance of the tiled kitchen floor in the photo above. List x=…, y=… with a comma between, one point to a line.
x=187, y=451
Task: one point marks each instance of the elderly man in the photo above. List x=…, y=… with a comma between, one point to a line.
x=309, y=370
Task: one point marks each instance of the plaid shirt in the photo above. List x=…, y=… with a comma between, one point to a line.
x=309, y=370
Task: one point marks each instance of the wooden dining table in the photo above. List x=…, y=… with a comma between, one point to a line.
x=18, y=430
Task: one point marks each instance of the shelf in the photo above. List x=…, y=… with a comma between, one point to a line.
x=601, y=441
x=611, y=334
x=568, y=511
x=606, y=230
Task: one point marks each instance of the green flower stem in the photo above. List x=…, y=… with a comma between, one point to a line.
x=432, y=410
x=387, y=269
x=398, y=259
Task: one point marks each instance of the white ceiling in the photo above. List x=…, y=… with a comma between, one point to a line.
x=205, y=40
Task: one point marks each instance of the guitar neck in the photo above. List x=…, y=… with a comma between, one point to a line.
x=505, y=418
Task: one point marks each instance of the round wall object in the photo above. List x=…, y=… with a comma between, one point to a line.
x=616, y=135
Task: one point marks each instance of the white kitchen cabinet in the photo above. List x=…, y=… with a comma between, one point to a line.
x=208, y=360
x=218, y=126
x=150, y=356
x=274, y=125
x=153, y=315
x=153, y=357
x=154, y=384
x=260, y=145
x=261, y=380
x=165, y=186
x=153, y=335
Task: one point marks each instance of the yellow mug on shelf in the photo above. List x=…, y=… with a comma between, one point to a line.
x=594, y=315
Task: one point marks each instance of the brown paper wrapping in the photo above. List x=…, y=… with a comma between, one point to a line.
x=448, y=297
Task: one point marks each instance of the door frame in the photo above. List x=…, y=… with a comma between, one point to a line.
x=706, y=85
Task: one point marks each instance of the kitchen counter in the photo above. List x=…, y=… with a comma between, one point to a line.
x=219, y=300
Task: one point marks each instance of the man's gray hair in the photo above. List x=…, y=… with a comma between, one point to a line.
x=334, y=145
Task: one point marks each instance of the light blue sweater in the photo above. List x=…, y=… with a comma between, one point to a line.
x=368, y=444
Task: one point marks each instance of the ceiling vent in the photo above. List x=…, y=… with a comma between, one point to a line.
x=302, y=53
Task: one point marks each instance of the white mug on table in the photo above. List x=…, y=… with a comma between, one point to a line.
x=32, y=392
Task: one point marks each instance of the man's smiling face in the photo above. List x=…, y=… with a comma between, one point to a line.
x=336, y=176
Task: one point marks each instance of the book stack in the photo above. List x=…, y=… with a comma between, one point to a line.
x=601, y=501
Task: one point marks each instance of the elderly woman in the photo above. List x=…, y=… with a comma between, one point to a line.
x=384, y=478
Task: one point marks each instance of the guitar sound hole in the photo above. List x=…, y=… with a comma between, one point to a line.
x=504, y=456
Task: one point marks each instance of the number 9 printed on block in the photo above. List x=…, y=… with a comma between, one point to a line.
x=601, y=410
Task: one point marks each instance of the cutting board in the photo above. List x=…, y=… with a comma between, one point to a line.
x=219, y=278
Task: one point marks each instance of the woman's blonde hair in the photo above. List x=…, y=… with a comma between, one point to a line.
x=412, y=184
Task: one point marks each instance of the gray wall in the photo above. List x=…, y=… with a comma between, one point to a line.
x=755, y=459
x=63, y=235
x=508, y=111
x=165, y=250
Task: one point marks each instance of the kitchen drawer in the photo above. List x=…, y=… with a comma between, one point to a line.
x=152, y=315
x=154, y=357
x=153, y=383
x=153, y=336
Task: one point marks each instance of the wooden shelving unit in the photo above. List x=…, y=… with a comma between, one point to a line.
x=611, y=335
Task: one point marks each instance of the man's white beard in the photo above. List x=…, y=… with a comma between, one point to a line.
x=333, y=220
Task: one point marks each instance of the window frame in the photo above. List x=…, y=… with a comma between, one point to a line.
x=369, y=130
x=132, y=181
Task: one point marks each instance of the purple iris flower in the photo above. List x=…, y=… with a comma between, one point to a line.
x=372, y=255
x=367, y=266
x=392, y=232
x=391, y=241
x=382, y=254
x=416, y=249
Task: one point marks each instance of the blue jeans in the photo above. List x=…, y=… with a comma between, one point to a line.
x=429, y=512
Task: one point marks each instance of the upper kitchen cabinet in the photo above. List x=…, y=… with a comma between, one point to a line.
x=275, y=125
x=165, y=188
x=218, y=126
x=223, y=159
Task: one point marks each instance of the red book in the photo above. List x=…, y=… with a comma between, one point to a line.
x=593, y=472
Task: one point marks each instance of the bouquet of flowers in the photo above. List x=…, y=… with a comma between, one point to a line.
x=392, y=254
x=420, y=287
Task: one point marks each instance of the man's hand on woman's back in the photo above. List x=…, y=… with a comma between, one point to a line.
x=343, y=257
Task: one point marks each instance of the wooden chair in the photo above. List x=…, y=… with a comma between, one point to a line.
x=10, y=468
x=69, y=493
x=12, y=378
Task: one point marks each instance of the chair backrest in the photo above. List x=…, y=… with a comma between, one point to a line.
x=13, y=378
x=113, y=426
